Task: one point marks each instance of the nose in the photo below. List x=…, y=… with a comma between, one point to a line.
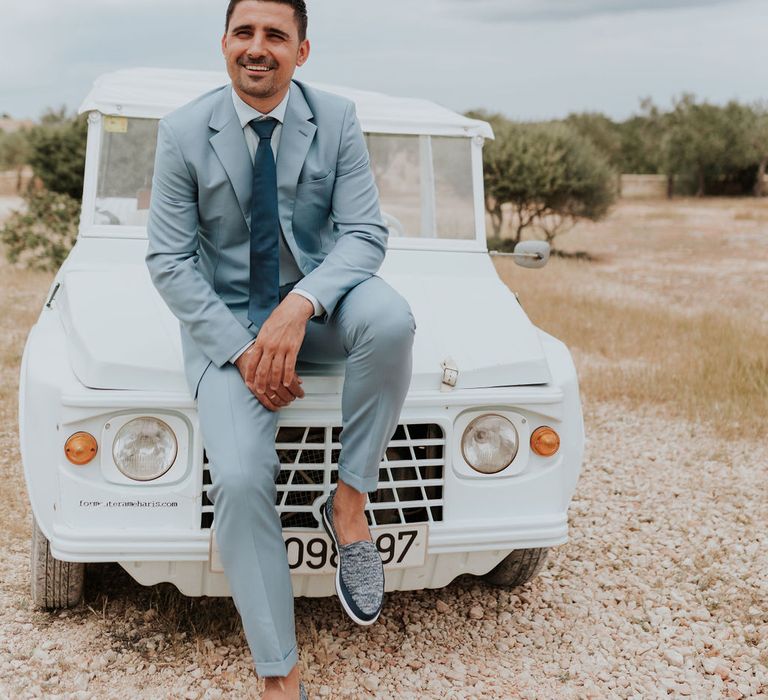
x=257, y=48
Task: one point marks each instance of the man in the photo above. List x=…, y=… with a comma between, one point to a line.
x=265, y=215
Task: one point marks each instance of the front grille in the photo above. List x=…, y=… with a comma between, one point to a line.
x=411, y=476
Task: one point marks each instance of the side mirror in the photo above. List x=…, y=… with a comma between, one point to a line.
x=531, y=254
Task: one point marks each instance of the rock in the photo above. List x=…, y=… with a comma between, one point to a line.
x=723, y=672
x=710, y=664
x=371, y=683
x=476, y=612
x=81, y=681
x=700, y=615
x=673, y=657
x=441, y=606
x=43, y=657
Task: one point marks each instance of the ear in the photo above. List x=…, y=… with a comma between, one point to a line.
x=224, y=43
x=303, y=55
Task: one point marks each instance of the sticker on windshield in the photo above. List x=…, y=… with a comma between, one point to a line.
x=116, y=125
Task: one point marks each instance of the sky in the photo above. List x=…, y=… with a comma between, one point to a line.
x=528, y=59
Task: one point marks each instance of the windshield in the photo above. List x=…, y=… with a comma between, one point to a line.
x=125, y=171
x=424, y=182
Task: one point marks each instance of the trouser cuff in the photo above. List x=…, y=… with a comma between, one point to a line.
x=278, y=668
x=364, y=484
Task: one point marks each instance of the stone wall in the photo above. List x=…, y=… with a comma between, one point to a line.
x=643, y=186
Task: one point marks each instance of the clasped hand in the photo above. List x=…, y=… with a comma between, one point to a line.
x=268, y=366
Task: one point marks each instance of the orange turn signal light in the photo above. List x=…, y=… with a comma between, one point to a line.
x=81, y=448
x=545, y=441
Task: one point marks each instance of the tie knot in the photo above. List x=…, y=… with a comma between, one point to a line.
x=264, y=127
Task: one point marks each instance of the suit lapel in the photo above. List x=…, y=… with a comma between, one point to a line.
x=231, y=149
x=295, y=140
x=229, y=144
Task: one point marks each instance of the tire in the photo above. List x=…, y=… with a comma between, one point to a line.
x=55, y=584
x=517, y=568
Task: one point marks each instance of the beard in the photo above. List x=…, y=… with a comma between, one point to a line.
x=263, y=84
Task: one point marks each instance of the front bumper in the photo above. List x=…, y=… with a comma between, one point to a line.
x=183, y=558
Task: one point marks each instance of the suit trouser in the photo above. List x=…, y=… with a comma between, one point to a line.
x=372, y=331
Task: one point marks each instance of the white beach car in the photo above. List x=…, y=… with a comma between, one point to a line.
x=479, y=474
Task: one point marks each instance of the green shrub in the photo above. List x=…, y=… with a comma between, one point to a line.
x=41, y=236
x=57, y=152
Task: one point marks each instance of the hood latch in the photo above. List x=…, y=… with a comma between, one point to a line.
x=450, y=374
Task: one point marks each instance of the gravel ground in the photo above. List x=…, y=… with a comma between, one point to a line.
x=660, y=592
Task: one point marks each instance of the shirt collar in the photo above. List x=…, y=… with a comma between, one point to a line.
x=246, y=113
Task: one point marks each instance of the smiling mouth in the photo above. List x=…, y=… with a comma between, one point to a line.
x=256, y=68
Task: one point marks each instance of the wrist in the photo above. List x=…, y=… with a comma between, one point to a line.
x=305, y=305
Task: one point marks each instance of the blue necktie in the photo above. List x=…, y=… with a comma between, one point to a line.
x=265, y=228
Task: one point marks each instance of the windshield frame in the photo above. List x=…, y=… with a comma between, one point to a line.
x=89, y=229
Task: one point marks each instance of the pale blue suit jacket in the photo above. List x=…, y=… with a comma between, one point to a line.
x=199, y=241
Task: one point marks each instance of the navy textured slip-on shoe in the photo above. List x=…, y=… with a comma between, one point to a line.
x=302, y=692
x=359, y=573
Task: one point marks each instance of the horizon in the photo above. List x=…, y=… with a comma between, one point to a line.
x=531, y=60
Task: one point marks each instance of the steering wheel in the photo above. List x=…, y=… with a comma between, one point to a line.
x=112, y=220
x=393, y=224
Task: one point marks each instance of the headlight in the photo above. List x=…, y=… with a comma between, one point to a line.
x=144, y=449
x=489, y=443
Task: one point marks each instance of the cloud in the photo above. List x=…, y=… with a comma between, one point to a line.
x=555, y=10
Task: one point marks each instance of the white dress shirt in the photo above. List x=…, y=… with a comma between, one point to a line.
x=289, y=270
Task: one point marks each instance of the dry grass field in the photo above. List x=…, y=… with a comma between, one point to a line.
x=661, y=590
x=673, y=312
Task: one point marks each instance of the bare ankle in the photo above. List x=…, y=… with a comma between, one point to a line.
x=348, y=500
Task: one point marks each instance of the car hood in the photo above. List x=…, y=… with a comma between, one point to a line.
x=121, y=335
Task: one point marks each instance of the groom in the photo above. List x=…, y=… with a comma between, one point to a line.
x=264, y=216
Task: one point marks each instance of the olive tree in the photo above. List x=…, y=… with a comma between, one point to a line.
x=550, y=175
x=703, y=142
x=758, y=138
x=602, y=132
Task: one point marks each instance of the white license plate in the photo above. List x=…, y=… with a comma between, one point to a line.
x=311, y=551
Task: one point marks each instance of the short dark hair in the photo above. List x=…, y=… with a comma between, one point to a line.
x=299, y=11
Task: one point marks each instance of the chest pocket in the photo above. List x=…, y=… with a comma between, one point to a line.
x=311, y=212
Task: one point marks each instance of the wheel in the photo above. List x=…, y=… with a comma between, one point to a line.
x=55, y=584
x=517, y=568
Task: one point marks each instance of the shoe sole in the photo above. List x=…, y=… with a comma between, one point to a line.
x=337, y=578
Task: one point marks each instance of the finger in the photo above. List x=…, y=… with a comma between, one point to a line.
x=267, y=403
x=289, y=370
x=252, y=362
x=283, y=395
x=296, y=389
x=262, y=371
x=276, y=373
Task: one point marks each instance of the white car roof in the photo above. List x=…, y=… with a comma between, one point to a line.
x=154, y=92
